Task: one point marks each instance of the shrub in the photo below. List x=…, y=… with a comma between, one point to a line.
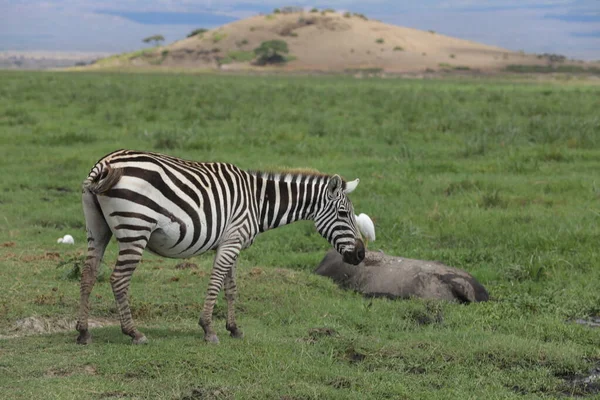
x=218, y=36
x=271, y=52
x=361, y=16
x=398, y=48
x=276, y=11
x=553, y=57
x=196, y=32
x=314, y=10
x=431, y=31
x=380, y=40
x=347, y=14
x=452, y=55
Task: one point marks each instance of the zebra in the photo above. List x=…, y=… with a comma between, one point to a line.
x=178, y=208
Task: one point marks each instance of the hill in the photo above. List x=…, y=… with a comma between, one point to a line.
x=326, y=41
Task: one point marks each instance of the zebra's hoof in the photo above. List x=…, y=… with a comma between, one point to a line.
x=84, y=338
x=140, y=340
x=237, y=334
x=211, y=339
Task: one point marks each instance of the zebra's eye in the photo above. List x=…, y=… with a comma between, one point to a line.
x=343, y=213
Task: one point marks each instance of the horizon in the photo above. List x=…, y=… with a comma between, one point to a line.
x=567, y=27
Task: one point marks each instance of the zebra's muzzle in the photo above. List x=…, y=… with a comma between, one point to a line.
x=355, y=256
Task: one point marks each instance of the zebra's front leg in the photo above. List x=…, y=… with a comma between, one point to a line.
x=130, y=254
x=230, y=295
x=225, y=259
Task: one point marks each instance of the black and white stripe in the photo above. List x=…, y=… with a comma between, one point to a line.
x=178, y=208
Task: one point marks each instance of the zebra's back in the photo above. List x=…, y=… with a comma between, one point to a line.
x=179, y=207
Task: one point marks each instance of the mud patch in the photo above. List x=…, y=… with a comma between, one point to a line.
x=186, y=265
x=40, y=326
x=207, y=394
x=582, y=386
x=314, y=334
x=341, y=383
x=592, y=322
x=63, y=372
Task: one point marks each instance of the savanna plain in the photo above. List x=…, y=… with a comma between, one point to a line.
x=495, y=177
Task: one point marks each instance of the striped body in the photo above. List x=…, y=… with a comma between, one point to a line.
x=178, y=208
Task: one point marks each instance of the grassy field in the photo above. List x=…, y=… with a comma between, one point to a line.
x=499, y=179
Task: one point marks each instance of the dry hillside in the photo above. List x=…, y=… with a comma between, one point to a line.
x=325, y=41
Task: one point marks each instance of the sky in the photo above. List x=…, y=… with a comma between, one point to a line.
x=568, y=27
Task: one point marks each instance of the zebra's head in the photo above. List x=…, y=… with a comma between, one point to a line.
x=335, y=220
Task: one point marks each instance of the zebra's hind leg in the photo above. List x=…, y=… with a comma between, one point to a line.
x=98, y=236
x=130, y=254
x=225, y=259
x=230, y=295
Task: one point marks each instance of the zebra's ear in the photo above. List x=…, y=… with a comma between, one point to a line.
x=350, y=186
x=335, y=184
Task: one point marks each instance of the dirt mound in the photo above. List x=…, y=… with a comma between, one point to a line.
x=325, y=41
x=39, y=326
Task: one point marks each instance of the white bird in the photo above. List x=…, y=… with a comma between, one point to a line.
x=366, y=227
x=67, y=239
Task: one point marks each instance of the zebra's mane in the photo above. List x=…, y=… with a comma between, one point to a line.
x=288, y=174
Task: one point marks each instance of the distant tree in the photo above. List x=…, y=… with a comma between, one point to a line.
x=198, y=31
x=154, y=38
x=271, y=52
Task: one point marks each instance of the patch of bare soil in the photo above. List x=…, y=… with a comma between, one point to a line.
x=62, y=372
x=582, y=386
x=592, y=322
x=40, y=326
x=186, y=265
x=207, y=394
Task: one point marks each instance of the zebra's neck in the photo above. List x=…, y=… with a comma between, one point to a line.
x=286, y=198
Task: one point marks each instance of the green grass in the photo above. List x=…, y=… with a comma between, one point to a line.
x=499, y=179
x=547, y=69
x=238, y=56
x=218, y=36
x=126, y=57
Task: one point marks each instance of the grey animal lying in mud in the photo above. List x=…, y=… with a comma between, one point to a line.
x=382, y=275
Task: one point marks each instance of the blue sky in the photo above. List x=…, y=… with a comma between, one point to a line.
x=569, y=27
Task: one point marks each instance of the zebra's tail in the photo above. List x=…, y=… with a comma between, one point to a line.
x=102, y=178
